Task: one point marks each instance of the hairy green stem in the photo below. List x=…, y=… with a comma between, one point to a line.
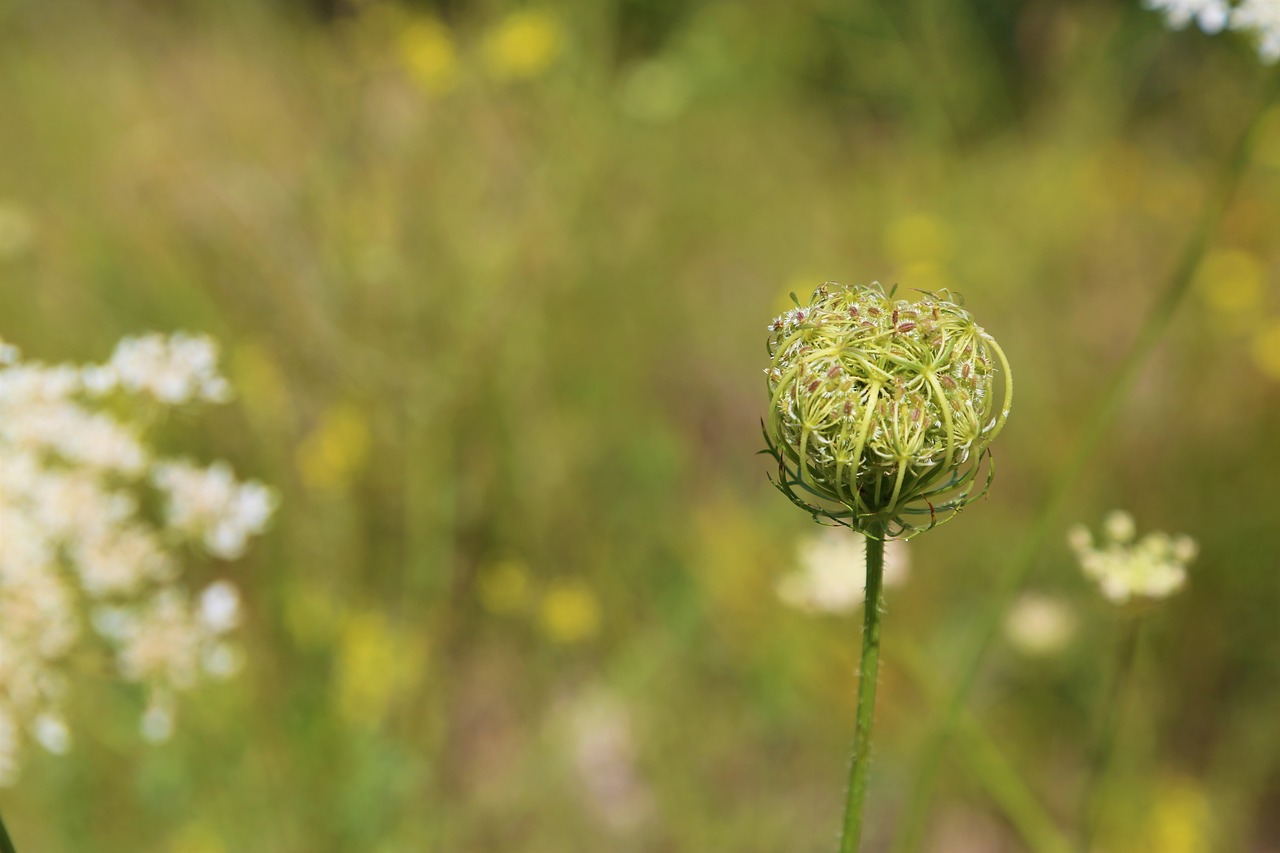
x=860, y=771
x=1112, y=716
x=6, y=843
x=1015, y=572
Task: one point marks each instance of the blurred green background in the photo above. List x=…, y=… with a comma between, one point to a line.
x=492, y=283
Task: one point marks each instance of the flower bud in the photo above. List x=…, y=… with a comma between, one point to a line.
x=881, y=410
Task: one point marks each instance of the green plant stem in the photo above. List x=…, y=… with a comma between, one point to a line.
x=6, y=843
x=994, y=771
x=860, y=771
x=1015, y=572
x=1112, y=717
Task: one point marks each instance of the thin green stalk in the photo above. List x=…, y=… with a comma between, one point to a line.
x=1111, y=720
x=1015, y=572
x=860, y=770
x=994, y=771
x=6, y=843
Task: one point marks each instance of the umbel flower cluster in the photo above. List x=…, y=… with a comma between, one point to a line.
x=881, y=410
x=91, y=522
x=1127, y=569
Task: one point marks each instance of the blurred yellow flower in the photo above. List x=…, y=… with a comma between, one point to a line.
x=429, y=54
x=570, y=613
x=375, y=665
x=335, y=450
x=924, y=275
x=523, y=45
x=197, y=837
x=504, y=586
x=1266, y=349
x=1231, y=281
x=1179, y=821
x=917, y=237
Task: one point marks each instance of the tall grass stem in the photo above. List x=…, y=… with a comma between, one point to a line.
x=1002, y=781
x=1111, y=719
x=1015, y=572
x=6, y=843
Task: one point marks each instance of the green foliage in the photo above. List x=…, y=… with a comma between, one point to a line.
x=491, y=293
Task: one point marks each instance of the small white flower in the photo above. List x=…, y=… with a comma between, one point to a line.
x=1039, y=626
x=220, y=607
x=52, y=733
x=1119, y=526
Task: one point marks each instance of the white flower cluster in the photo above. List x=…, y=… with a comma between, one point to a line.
x=1258, y=18
x=78, y=546
x=832, y=577
x=1126, y=569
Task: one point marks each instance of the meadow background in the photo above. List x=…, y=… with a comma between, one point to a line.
x=492, y=283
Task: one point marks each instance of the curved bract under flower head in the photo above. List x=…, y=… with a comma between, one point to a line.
x=881, y=410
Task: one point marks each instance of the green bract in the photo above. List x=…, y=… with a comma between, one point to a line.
x=881, y=410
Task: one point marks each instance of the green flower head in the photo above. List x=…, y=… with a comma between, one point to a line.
x=881, y=410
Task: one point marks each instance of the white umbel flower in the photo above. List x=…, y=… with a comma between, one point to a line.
x=73, y=477
x=1125, y=570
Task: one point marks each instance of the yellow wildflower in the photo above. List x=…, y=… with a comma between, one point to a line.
x=523, y=45
x=570, y=613
x=1266, y=349
x=428, y=52
x=335, y=450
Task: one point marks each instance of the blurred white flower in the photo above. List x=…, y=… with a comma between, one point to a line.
x=1039, y=625
x=52, y=733
x=175, y=369
x=220, y=607
x=1209, y=15
x=1260, y=19
x=1153, y=567
x=210, y=505
x=832, y=576
x=602, y=751
x=73, y=541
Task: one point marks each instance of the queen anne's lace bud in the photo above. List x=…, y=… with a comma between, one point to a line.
x=880, y=409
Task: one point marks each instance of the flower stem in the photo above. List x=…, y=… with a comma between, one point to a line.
x=861, y=769
x=1015, y=572
x=6, y=843
x=1112, y=718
